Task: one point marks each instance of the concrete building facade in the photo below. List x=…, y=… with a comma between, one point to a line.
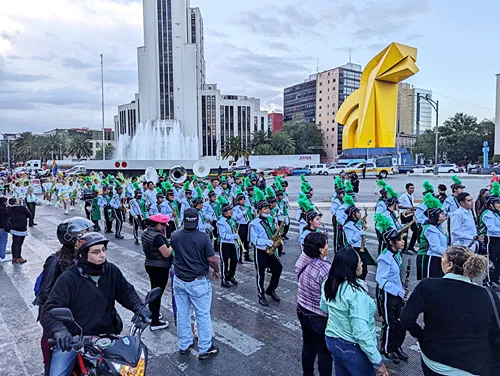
x=299, y=101
x=497, y=116
x=275, y=120
x=413, y=118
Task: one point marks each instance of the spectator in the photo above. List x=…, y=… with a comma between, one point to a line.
x=442, y=196
x=494, y=178
x=193, y=256
x=261, y=183
x=312, y=269
x=17, y=218
x=481, y=202
x=350, y=331
x=4, y=236
x=31, y=204
x=459, y=319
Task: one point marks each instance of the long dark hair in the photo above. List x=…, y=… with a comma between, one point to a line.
x=343, y=269
x=66, y=256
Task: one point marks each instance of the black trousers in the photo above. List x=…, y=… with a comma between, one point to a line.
x=17, y=245
x=228, y=261
x=381, y=243
x=96, y=225
x=215, y=234
x=87, y=207
x=243, y=233
x=108, y=218
x=393, y=331
x=492, y=245
x=280, y=248
x=313, y=343
x=429, y=267
x=262, y=261
x=158, y=278
x=32, y=208
x=286, y=228
x=335, y=230
x=138, y=223
x=414, y=232
x=119, y=221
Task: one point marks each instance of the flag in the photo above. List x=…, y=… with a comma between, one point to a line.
x=53, y=168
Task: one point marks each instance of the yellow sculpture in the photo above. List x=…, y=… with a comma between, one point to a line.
x=369, y=114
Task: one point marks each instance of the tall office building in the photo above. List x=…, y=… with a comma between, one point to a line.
x=299, y=101
x=413, y=118
x=332, y=88
x=172, y=74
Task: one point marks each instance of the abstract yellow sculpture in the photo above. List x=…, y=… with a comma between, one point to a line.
x=369, y=114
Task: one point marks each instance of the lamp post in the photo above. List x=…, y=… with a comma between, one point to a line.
x=102, y=104
x=6, y=137
x=367, y=145
x=435, y=106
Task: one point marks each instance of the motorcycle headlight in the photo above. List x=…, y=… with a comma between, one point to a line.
x=139, y=370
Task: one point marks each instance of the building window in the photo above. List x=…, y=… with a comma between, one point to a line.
x=328, y=73
x=327, y=129
x=321, y=99
x=319, y=115
x=320, y=107
x=321, y=84
x=328, y=122
x=328, y=81
x=321, y=91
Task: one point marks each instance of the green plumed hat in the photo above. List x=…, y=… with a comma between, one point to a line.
x=427, y=187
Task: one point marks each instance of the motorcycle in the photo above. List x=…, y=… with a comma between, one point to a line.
x=109, y=354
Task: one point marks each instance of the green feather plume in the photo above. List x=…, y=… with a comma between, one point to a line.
x=381, y=183
x=348, y=186
x=305, y=188
x=259, y=195
x=304, y=204
x=383, y=223
x=158, y=189
x=391, y=193
x=456, y=179
x=303, y=178
x=270, y=193
x=431, y=202
x=195, y=178
x=160, y=173
x=247, y=183
x=105, y=183
x=135, y=185
x=199, y=192
x=223, y=179
x=87, y=178
x=495, y=189
x=279, y=179
x=427, y=186
x=117, y=183
x=278, y=186
x=239, y=192
x=338, y=182
x=186, y=185
x=349, y=201
x=210, y=188
x=166, y=185
x=222, y=200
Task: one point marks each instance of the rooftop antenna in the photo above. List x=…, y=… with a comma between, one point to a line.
x=317, y=65
x=350, y=50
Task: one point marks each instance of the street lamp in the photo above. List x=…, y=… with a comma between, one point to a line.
x=6, y=137
x=435, y=106
x=368, y=144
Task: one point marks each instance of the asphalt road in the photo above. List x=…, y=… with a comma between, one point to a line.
x=253, y=340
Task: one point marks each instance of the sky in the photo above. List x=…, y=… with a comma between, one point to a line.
x=50, y=52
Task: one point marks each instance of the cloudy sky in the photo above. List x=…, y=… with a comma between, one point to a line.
x=50, y=63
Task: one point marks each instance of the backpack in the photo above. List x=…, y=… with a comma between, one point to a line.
x=38, y=282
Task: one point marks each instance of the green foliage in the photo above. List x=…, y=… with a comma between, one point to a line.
x=306, y=136
x=461, y=138
x=234, y=149
x=80, y=146
x=496, y=158
x=110, y=153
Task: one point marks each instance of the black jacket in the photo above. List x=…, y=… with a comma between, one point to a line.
x=51, y=271
x=3, y=216
x=19, y=216
x=459, y=324
x=89, y=310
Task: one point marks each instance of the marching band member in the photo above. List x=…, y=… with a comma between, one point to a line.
x=391, y=204
x=380, y=208
x=463, y=225
x=150, y=194
x=139, y=212
x=450, y=205
x=441, y=195
x=282, y=207
x=224, y=187
x=243, y=214
x=158, y=207
x=337, y=200
x=489, y=223
x=306, y=189
x=407, y=202
x=390, y=292
x=173, y=209
x=212, y=211
x=203, y=221
x=283, y=185
x=250, y=189
x=108, y=210
x=273, y=205
x=116, y=204
x=228, y=246
x=313, y=219
x=236, y=185
x=17, y=193
x=422, y=208
x=353, y=231
x=87, y=195
x=341, y=215
x=97, y=203
x=73, y=193
x=187, y=196
x=261, y=235
x=63, y=193
x=131, y=188
x=48, y=187
x=433, y=240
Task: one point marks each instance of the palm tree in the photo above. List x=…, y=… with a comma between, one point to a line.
x=80, y=146
x=282, y=143
x=25, y=147
x=53, y=145
x=260, y=138
x=233, y=148
x=264, y=149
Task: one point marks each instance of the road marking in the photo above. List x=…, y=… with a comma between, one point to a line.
x=236, y=338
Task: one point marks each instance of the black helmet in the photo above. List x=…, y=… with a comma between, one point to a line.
x=86, y=241
x=69, y=229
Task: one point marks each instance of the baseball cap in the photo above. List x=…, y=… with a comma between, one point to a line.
x=191, y=218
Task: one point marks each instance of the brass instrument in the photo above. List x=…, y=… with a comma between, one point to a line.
x=238, y=240
x=365, y=227
x=177, y=174
x=276, y=240
x=201, y=168
x=407, y=226
x=406, y=282
x=409, y=213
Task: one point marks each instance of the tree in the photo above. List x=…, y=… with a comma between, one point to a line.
x=26, y=147
x=110, y=152
x=80, y=146
x=264, y=149
x=308, y=137
x=53, y=145
x=260, y=138
x=282, y=143
x=234, y=149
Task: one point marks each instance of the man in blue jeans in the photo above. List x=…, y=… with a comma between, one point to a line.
x=193, y=256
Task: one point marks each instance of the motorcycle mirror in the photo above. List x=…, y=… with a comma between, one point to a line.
x=152, y=295
x=62, y=314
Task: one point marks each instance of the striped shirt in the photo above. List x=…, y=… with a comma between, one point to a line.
x=315, y=272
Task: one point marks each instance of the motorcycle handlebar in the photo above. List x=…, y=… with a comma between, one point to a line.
x=76, y=341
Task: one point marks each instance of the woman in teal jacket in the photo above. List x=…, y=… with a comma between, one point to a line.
x=350, y=331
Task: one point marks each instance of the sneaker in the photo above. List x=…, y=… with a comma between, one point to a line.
x=225, y=284
x=188, y=350
x=392, y=356
x=136, y=242
x=401, y=354
x=273, y=296
x=263, y=301
x=6, y=259
x=233, y=281
x=161, y=325
x=240, y=262
x=285, y=237
x=66, y=212
x=212, y=351
x=119, y=236
x=248, y=259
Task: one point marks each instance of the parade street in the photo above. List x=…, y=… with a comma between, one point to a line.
x=253, y=340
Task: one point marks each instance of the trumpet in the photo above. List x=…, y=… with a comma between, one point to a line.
x=407, y=226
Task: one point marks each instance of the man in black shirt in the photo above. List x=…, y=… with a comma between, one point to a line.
x=193, y=256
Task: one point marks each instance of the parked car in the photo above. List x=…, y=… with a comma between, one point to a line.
x=443, y=168
x=300, y=171
x=372, y=169
x=419, y=169
x=318, y=169
x=281, y=171
x=404, y=169
x=336, y=169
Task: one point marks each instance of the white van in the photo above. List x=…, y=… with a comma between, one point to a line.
x=318, y=169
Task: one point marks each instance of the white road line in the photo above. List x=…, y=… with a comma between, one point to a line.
x=235, y=338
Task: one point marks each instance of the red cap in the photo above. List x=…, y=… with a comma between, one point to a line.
x=160, y=218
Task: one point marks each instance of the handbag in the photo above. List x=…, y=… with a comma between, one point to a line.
x=117, y=320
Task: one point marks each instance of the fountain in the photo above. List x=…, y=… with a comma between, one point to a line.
x=158, y=140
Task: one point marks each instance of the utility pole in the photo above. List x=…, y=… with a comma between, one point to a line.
x=435, y=106
x=102, y=104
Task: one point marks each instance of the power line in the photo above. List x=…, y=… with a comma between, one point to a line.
x=458, y=100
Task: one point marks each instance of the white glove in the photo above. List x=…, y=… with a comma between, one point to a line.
x=269, y=243
x=362, y=232
x=210, y=227
x=236, y=236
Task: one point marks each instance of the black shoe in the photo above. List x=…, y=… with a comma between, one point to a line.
x=35, y=224
x=263, y=301
x=269, y=271
x=248, y=259
x=240, y=262
x=225, y=284
x=188, y=350
x=136, y=242
x=30, y=225
x=285, y=237
x=401, y=354
x=160, y=325
x=273, y=296
x=392, y=356
x=233, y=281
x=118, y=236
x=212, y=351
x=282, y=253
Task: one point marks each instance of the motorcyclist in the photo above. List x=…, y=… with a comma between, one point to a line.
x=67, y=232
x=89, y=288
